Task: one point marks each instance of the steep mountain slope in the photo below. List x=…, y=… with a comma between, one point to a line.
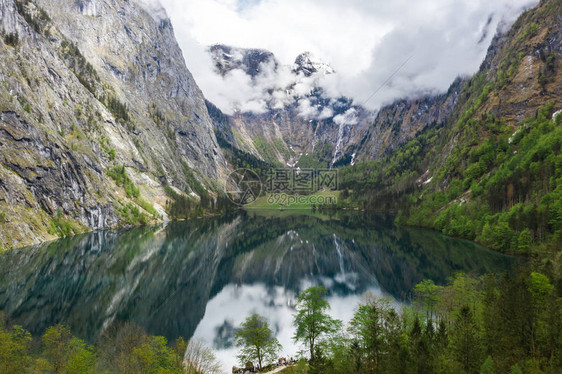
x=401, y=121
x=295, y=118
x=97, y=114
x=493, y=172
x=302, y=126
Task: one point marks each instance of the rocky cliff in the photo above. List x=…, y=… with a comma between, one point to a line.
x=492, y=172
x=98, y=113
x=310, y=129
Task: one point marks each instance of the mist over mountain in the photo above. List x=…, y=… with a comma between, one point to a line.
x=364, y=42
x=104, y=125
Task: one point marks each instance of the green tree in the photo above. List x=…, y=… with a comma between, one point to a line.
x=56, y=346
x=154, y=356
x=524, y=241
x=488, y=366
x=311, y=320
x=81, y=357
x=490, y=316
x=374, y=326
x=464, y=341
x=14, y=349
x=256, y=341
x=427, y=296
x=540, y=329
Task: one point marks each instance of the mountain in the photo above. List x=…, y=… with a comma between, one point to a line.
x=307, y=128
x=103, y=125
x=296, y=119
x=400, y=122
x=493, y=172
x=98, y=113
x=251, y=61
x=307, y=64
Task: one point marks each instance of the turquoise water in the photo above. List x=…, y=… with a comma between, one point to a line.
x=202, y=278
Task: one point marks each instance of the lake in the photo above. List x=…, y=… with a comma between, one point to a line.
x=202, y=278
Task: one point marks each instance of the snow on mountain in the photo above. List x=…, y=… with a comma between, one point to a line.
x=308, y=64
x=251, y=61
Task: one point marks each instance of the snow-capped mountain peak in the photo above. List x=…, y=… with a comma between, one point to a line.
x=251, y=61
x=309, y=64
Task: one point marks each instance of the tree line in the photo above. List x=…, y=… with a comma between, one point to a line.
x=509, y=323
x=121, y=349
x=491, y=324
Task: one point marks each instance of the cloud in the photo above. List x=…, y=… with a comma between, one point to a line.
x=348, y=118
x=364, y=41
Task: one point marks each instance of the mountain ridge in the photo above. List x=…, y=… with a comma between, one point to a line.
x=89, y=138
x=492, y=172
x=311, y=129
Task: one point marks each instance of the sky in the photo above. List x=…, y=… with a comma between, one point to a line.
x=381, y=50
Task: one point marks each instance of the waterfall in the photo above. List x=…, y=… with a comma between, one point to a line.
x=340, y=255
x=87, y=7
x=337, y=150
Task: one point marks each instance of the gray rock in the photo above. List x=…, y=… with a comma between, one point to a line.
x=59, y=132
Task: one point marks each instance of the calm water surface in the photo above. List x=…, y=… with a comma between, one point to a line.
x=203, y=278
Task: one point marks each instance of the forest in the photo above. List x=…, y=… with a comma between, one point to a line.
x=504, y=192
x=490, y=324
x=508, y=323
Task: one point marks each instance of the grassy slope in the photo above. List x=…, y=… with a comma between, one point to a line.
x=486, y=176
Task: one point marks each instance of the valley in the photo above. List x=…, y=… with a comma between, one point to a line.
x=156, y=193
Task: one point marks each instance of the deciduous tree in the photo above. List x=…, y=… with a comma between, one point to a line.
x=312, y=320
x=256, y=341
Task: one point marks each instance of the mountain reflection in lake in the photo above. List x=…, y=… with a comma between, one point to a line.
x=202, y=278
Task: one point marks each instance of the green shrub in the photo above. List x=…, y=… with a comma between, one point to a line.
x=61, y=226
x=119, y=175
x=11, y=39
x=132, y=214
x=38, y=19
x=147, y=206
x=117, y=108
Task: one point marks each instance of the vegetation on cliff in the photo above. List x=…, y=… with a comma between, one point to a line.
x=487, y=175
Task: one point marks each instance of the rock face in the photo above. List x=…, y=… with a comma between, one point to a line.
x=401, y=121
x=525, y=61
x=310, y=129
x=251, y=61
x=137, y=53
x=86, y=86
x=308, y=64
x=284, y=136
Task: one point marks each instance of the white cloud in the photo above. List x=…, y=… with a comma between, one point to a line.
x=306, y=109
x=364, y=41
x=348, y=118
